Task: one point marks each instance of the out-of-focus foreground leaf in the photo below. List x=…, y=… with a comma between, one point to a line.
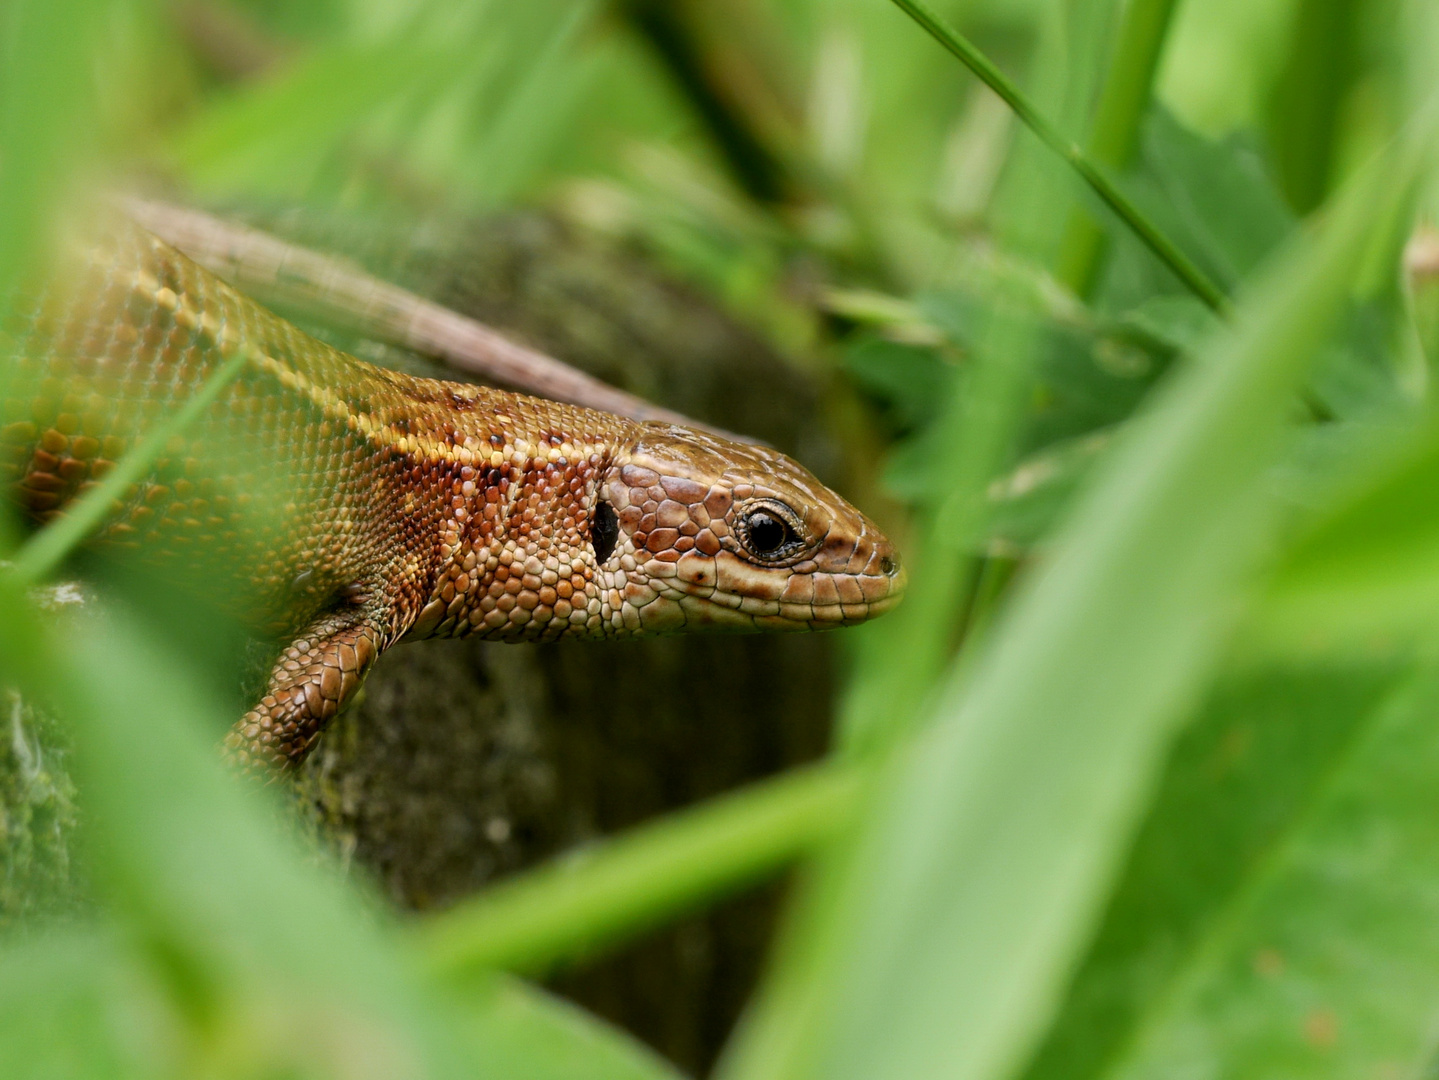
x=574, y=906
x=262, y=959
x=46, y=110
x=70, y=1008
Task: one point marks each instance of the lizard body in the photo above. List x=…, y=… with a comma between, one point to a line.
x=342, y=507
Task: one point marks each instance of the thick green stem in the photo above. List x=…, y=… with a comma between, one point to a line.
x=1305, y=116
x=1114, y=137
x=571, y=907
x=1091, y=173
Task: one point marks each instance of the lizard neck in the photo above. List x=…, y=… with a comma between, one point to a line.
x=515, y=493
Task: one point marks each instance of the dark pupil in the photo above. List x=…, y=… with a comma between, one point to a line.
x=767, y=533
x=604, y=531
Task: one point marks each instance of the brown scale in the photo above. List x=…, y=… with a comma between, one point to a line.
x=338, y=507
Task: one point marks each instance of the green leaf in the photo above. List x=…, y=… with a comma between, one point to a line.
x=913, y=380
x=1241, y=782
x=1027, y=504
x=1326, y=963
x=1219, y=199
x=1214, y=197
x=47, y=117
x=1178, y=321
x=1358, y=377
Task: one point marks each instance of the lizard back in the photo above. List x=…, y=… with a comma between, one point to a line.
x=313, y=472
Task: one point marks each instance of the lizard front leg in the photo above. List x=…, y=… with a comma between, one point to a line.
x=315, y=677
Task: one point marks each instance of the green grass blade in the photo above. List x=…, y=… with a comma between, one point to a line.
x=529, y=117
x=976, y=428
x=624, y=886
x=522, y=1031
x=904, y=656
x=48, y=548
x=47, y=110
x=942, y=945
x=1168, y=252
x=229, y=919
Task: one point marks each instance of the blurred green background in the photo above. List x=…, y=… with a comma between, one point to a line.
x=1141, y=781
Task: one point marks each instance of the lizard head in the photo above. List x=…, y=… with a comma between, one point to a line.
x=693, y=531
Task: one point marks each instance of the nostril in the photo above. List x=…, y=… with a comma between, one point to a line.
x=888, y=566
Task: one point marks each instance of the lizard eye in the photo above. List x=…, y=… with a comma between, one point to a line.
x=768, y=534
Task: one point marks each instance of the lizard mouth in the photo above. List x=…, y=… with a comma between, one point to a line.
x=801, y=602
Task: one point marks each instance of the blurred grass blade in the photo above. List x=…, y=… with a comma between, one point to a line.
x=239, y=956
x=941, y=944
x=79, y=1005
x=903, y=658
x=526, y=119
x=520, y=1031
x=65, y=999
x=235, y=925
x=48, y=548
x=1167, y=251
x=596, y=898
x=273, y=135
x=46, y=109
x=978, y=418
x=1305, y=119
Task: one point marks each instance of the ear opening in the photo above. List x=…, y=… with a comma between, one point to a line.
x=604, y=530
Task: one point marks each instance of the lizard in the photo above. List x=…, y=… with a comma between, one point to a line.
x=336, y=507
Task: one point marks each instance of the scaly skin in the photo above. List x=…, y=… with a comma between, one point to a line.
x=341, y=507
